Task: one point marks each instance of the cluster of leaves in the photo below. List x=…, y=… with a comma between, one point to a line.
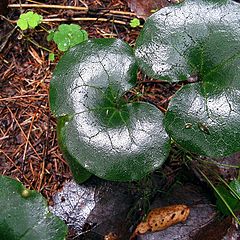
x=29, y=20
x=129, y=140
x=67, y=36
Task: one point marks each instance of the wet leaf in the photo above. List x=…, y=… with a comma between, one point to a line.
x=67, y=35
x=108, y=137
x=231, y=196
x=24, y=214
x=198, y=38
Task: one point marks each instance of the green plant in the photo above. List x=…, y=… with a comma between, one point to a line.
x=67, y=36
x=29, y=20
x=135, y=22
x=24, y=214
x=231, y=194
x=117, y=140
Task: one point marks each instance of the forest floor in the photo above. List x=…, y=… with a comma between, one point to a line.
x=28, y=142
x=29, y=149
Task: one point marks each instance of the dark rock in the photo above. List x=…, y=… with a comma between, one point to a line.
x=95, y=209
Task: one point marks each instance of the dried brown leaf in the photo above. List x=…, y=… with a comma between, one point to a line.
x=144, y=8
x=161, y=218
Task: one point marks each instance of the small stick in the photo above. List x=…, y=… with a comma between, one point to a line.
x=66, y=8
x=23, y=132
x=23, y=96
x=27, y=141
x=83, y=19
x=18, y=169
x=47, y=6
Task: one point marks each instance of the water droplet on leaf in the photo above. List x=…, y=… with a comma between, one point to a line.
x=26, y=193
x=203, y=127
x=188, y=125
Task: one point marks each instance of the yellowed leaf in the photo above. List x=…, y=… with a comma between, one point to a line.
x=161, y=218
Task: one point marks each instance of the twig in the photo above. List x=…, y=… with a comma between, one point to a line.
x=83, y=19
x=47, y=6
x=23, y=133
x=22, y=96
x=18, y=169
x=4, y=43
x=66, y=8
x=27, y=141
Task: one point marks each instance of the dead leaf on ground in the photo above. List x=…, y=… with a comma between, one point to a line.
x=161, y=218
x=144, y=8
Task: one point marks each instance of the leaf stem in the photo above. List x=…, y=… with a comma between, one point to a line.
x=34, y=43
x=221, y=197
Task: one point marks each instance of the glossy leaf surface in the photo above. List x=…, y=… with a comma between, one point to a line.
x=198, y=38
x=231, y=195
x=112, y=139
x=24, y=214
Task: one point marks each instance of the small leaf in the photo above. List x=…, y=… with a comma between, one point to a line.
x=24, y=214
x=22, y=24
x=51, y=57
x=135, y=22
x=29, y=20
x=50, y=35
x=68, y=36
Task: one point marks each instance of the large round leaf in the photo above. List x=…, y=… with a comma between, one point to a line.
x=202, y=39
x=24, y=214
x=110, y=138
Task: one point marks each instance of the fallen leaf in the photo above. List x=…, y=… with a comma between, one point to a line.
x=161, y=218
x=144, y=8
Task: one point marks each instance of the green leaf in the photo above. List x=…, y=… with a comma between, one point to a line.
x=198, y=38
x=229, y=197
x=50, y=35
x=68, y=36
x=135, y=22
x=22, y=23
x=110, y=138
x=51, y=57
x=29, y=20
x=80, y=173
x=24, y=214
